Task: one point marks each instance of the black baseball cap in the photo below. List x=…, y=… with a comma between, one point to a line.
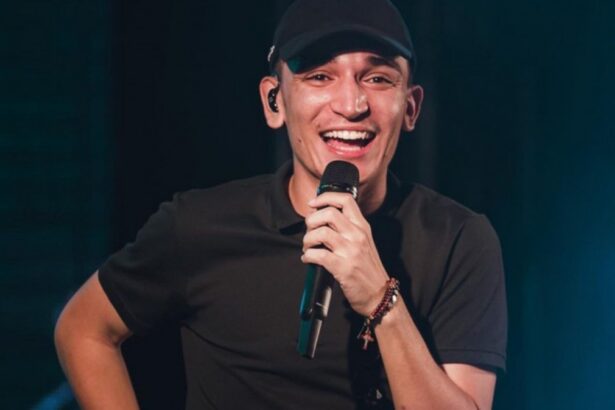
x=356, y=23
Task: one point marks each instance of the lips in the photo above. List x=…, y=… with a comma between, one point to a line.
x=347, y=140
x=348, y=144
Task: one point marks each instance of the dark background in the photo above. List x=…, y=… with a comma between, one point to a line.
x=107, y=108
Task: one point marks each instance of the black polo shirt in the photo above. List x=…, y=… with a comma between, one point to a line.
x=225, y=264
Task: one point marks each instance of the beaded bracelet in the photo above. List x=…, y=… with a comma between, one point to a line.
x=385, y=305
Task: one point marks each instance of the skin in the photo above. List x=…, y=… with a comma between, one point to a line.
x=363, y=91
x=88, y=336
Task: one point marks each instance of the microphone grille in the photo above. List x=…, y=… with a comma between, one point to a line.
x=340, y=172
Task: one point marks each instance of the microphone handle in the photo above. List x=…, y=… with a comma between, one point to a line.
x=314, y=308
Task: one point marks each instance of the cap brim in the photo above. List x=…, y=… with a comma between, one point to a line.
x=341, y=38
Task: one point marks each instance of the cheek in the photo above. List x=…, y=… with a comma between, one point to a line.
x=396, y=107
x=302, y=112
x=307, y=102
x=314, y=99
x=390, y=114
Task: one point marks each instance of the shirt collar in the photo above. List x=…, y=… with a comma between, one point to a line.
x=286, y=219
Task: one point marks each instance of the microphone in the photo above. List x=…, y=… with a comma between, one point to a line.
x=339, y=176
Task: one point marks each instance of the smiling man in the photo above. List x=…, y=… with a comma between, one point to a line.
x=352, y=106
x=228, y=263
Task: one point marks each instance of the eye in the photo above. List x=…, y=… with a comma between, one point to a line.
x=317, y=77
x=379, y=79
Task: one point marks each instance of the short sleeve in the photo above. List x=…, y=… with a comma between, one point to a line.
x=144, y=281
x=469, y=319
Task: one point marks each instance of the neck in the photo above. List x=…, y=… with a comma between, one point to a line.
x=302, y=187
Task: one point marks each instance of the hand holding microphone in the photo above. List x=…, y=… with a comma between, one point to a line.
x=338, y=246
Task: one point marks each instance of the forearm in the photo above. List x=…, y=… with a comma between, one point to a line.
x=96, y=372
x=415, y=379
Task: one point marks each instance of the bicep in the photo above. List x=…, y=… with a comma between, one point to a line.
x=90, y=314
x=477, y=383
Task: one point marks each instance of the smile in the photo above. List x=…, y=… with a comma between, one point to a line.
x=347, y=140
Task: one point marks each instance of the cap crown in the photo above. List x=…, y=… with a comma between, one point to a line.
x=306, y=22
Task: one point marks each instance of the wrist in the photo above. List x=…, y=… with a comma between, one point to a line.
x=387, y=303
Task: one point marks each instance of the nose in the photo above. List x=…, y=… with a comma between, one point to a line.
x=350, y=100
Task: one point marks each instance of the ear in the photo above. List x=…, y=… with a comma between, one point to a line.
x=274, y=119
x=414, y=98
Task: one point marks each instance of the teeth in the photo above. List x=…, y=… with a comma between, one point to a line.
x=348, y=135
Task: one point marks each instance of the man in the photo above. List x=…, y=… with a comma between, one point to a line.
x=228, y=263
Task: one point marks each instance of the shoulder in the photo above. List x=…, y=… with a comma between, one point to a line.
x=434, y=210
x=226, y=197
x=210, y=212
x=438, y=222
x=426, y=200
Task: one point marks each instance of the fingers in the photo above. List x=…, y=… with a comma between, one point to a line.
x=331, y=261
x=338, y=223
x=323, y=235
x=351, y=247
x=331, y=228
x=328, y=216
x=344, y=244
x=322, y=257
x=338, y=210
x=341, y=201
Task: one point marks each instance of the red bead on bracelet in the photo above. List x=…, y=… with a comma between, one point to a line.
x=386, y=304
